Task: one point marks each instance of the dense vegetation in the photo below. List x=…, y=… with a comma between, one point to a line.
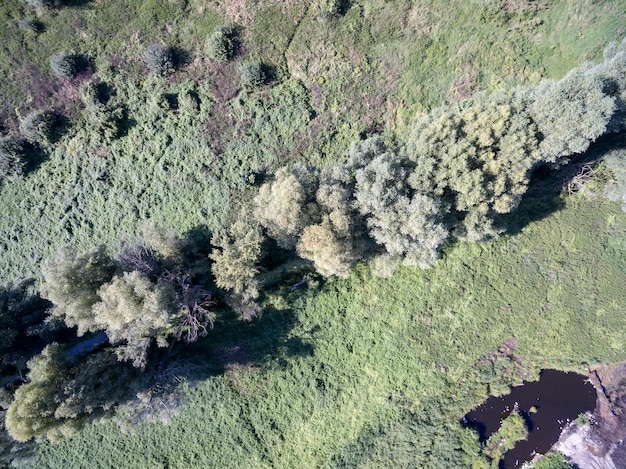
x=180, y=174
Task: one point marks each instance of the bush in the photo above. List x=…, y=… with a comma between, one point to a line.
x=12, y=159
x=252, y=74
x=32, y=26
x=158, y=58
x=222, y=44
x=38, y=126
x=64, y=65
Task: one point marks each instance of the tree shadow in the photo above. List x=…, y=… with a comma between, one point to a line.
x=545, y=192
x=180, y=57
x=35, y=156
x=72, y=3
x=94, y=380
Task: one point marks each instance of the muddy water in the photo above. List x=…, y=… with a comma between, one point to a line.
x=547, y=405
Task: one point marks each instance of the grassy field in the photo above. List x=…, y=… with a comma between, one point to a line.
x=376, y=373
x=360, y=372
x=372, y=69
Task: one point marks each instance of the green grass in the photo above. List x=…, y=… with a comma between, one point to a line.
x=376, y=373
x=361, y=372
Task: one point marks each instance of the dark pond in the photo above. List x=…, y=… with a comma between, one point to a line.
x=557, y=398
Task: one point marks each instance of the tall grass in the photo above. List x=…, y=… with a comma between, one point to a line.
x=387, y=367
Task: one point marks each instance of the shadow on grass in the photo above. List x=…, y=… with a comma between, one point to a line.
x=545, y=193
x=94, y=380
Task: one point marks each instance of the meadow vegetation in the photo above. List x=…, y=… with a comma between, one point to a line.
x=289, y=164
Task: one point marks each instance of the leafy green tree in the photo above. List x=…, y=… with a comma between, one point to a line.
x=64, y=392
x=31, y=414
x=64, y=65
x=158, y=58
x=613, y=73
x=222, y=44
x=135, y=312
x=570, y=113
x=285, y=206
x=71, y=283
x=341, y=239
x=236, y=253
x=331, y=252
x=476, y=157
x=408, y=225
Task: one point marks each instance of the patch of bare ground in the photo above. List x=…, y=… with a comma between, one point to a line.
x=465, y=85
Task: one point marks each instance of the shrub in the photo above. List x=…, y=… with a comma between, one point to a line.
x=329, y=9
x=222, y=44
x=64, y=65
x=158, y=58
x=252, y=74
x=32, y=26
x=12, y=159
x=38, y=126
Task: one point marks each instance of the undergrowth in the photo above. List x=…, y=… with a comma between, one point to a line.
x=378, y=372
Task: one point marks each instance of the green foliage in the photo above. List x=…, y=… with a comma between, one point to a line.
x=63, y=65
x=330, y=250
x=553, y=461
x=477, y=158
x=135, y=312
x=62, y=394
x=253, y=74
x=71, y=283
x=32, y=26
x=512, y=429
x=286, y=205
x=13, y=162
x=570, y=113
x=158, y=58
x=236, y=253
x=38, y=126
x=615, y=189
x=22, y=316
x=222, y=45
x=407, y=225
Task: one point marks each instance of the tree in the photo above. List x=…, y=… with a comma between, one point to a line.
x=408, y=225
x=285, y=206
x=570, y=113
x=223, y=43
x=158, y=58
x=476, y=157
x=236, y=253
x=135, y=312
x=72, y=282
x=13, y=161
x=331, y=253
x=64, y=392
x=64, y=65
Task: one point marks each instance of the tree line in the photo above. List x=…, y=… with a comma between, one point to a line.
x=462, y=166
